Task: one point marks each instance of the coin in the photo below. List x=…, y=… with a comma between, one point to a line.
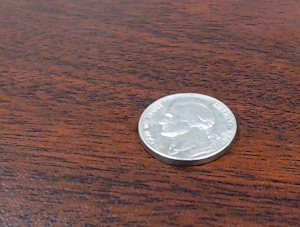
x=187, y=129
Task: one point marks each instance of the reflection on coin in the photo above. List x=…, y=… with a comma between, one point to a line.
x=187, y=129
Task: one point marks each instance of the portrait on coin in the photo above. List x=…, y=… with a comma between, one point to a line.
x=189, y=127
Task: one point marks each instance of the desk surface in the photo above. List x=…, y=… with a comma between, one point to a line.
x=76, y=76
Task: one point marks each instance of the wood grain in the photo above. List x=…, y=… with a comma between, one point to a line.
x=75, y=77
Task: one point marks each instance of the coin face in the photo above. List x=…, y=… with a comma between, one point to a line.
x=187, y=129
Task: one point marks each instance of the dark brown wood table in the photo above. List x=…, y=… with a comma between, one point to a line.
x=75, y=77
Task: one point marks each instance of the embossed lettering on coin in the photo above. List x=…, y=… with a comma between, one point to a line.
x=187, y=129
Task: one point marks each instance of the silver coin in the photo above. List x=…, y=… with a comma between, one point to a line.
x=187, y=129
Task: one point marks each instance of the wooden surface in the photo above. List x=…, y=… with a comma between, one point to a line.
x=76, y=76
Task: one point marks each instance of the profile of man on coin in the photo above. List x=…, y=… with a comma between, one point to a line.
x=186, y=120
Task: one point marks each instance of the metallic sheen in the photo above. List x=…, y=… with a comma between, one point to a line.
x=187, y=129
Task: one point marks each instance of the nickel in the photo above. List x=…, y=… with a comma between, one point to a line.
x=187, y=129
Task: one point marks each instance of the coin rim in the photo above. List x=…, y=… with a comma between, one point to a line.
x=177, y=161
